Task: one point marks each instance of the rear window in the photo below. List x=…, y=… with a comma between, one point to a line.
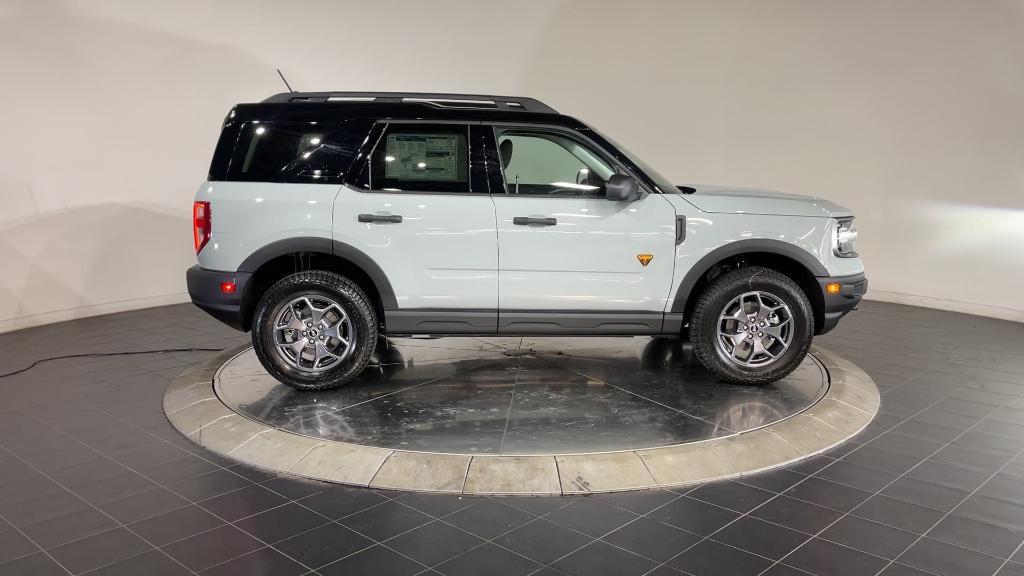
x=308, y=152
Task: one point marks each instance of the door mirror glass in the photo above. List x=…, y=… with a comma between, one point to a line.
x=622, y=188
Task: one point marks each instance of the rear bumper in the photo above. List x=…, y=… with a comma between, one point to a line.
x=204, y=289
x=852, y=289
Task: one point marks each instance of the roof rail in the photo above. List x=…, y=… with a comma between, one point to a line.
x=455, y=101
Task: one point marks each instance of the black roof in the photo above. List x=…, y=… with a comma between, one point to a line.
x=334, y=106
x=439, y=100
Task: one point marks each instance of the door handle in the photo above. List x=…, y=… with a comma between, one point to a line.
x=527, y=220
x=385, y=218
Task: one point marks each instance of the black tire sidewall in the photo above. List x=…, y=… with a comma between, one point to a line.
x=361, y=315
x=728, y=288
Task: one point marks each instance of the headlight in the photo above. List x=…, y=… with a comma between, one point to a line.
x=845, y=239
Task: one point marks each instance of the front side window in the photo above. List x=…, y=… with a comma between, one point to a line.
x=551, y=164
x=421, y=158
x=295, y=152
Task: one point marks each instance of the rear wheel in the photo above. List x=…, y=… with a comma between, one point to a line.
x=314, y=330
x=752, y=326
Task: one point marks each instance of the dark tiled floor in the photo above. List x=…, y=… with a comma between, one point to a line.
x=94, y=480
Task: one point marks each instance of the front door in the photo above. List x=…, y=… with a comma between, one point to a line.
x=571, y=261
x=414, y=207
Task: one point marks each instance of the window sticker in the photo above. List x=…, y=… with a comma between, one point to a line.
x=422, y=157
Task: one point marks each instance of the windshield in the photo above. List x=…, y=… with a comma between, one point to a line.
x=664, y=184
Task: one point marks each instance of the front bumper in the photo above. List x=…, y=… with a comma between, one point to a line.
x=852, y=289
x=204, y=289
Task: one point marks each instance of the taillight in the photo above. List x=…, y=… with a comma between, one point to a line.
x=202, y=226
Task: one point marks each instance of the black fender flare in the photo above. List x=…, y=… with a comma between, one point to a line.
x=322, y=245
x=761, y=245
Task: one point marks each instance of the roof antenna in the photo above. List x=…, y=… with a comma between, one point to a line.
x=285, y=81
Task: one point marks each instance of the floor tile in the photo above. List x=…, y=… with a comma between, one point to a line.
x=385, y=521
x=13, y=544
x=638, y=502
x=760, y=537
x=897, y=569
x=948, y=560
x=650, y=538
x=377, y=560
x=998, y=512
x=857, y=476
x=98, y=550
x=175, y=525
x=38, y=564
x=827, y=559
x=796, y=514
x=948, y=475
x=439, y=505
x=490, y=560
x=242, y=503
x=62, y=529
x=294, y=488
x=208, y=549
x=341, y=501
x=731, y=495
x=434, y=543
x=1011, y=569
x=139, y=506
x=870, y=537
x=694, y=516
x=899, y=514
x=602, y=558
x=879, y=459
x=710, y=558
x=925, y=493
x=323, y=545
x=281, y=522
x=262, y=562
x=980, y=536
x=487, y=519
x=828, y=494
x=152, y=563
x=209, y=485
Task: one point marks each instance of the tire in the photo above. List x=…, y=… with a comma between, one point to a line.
x=728, y=303
x=318, y=307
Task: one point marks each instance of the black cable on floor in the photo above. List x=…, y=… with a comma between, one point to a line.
x=98, y=354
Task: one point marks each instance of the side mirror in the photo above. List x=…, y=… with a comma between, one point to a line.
x=622, y=188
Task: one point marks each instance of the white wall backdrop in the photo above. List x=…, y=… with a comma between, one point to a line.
x=908, y=111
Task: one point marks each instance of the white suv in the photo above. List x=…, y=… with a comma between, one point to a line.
x=331, y=218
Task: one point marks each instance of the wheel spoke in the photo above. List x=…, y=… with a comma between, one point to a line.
x=736, y=356
x=322, y=353
x=762, y=315
x=297, y=347
x=759, y=349
x=775, y=331
x=295, y=324
x=324, y=320
x=763, y=310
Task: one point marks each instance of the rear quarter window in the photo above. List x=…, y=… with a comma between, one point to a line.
x=311, y=153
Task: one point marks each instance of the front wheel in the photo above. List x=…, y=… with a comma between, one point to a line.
x=314, y=330
x=752, y=326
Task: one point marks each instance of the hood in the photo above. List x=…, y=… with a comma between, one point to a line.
x=729, y=200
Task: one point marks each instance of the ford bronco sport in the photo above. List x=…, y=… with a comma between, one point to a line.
x=331, y=218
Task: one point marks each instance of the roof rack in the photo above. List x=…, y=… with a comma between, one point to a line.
x=450, y=101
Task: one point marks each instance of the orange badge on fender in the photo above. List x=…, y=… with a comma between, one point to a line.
x=645, y=259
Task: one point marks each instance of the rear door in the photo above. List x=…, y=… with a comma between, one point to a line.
x=414, y=206
x=571, y=261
